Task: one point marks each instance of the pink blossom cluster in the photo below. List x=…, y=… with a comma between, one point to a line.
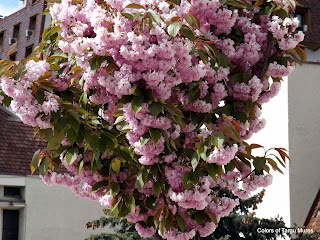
x=284, y=31
x=24, y=102
x=190, y=80
x=223, y=156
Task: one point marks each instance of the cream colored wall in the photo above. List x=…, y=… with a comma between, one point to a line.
x=304, y=139
x=55, y=213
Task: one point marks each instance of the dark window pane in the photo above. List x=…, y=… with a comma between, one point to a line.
x=13, y=56
x=32, y=22
x=10, y=224
x=28, y=50
x=1, y=40
x=11, y=191
x=16, y=30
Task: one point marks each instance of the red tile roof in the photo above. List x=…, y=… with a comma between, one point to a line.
x=17, y=144
x=313, y=219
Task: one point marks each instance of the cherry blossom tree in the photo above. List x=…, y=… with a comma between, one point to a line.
x=148, y=104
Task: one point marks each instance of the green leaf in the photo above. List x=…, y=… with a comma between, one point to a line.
x=155, y=17
x=114, y=188
x=99, y=185
x=135, y=16
x=115, y=165
x=94, y=142
x=212, y=217
x=127, y=15
x=119, y=120
x=155, y=134
x=130, y=203
x=117, y=207
x=212, y=171
x=151, y=203
x=35, y=161
x=52, y=141
x=268, y=10
x=200, y=218
x=140, y=182
x=224, y=60
x=40, y=96
x=156, y=188
x=135, y=5
x=136, y=91
x=191, y=20
x=80, y=166
x=188, y=33
x=125, y=153
x=274, y=165
x=6, y=100
x=96, y=62
x=155, y=108
x=174, y=28
x=136, y=103
x=44, y=166
x=282, y=13
x=72, y=155
x=126, y=99
x=72, y=135
x=217, y=139
x=194, y=95
x=178, y=2
x=230, y=166
x=236, y=77
x=259, y=163
x=168, y=222
x=181, y=222
x=195, y=159
x=242, y=117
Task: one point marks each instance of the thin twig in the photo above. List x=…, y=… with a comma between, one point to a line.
x=267, y=55
x=157, y=236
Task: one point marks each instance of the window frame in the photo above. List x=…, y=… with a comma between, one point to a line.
x=12, y=203
x=3, y=40
x=19, y=31
x=26, y=48
x=35, y=24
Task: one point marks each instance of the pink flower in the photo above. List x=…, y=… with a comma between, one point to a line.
x=145, y=231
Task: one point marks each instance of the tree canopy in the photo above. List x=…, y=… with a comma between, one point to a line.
x=148, y=104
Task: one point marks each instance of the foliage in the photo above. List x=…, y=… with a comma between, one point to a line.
x=122, y=229
x=148, y=104
x=240, y=224
x=312, y=236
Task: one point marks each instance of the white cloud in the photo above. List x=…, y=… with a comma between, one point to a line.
x=7, y=10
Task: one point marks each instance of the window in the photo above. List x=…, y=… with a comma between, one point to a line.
x=1, y=40
x=13, y=56
x=12, y=192
x=304, y=18
x=28, y=50
x=32, y=26
x=12, y=212
x=10, y=228
x=16, y=30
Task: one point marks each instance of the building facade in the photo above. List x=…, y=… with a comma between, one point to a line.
x=304, y=119
x=24, y=28
x=30, y=210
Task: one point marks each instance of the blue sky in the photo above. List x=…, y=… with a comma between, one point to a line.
x=8, y=7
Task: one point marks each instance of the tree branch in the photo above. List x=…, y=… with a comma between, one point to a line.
x=267, y=55
x=157, y=236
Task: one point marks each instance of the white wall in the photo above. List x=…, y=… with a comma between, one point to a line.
x=304, y=133
x=275, y=134
x=56, y=213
